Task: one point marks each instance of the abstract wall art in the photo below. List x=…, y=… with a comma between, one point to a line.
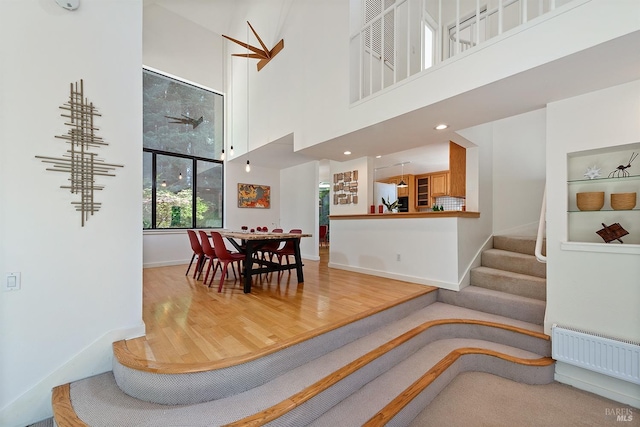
x=80, y=162
x=254, y=196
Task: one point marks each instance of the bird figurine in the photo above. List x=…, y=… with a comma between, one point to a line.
x=186, y=120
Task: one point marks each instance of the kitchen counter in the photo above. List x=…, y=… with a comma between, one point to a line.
x=430, y=248
x=403, y=215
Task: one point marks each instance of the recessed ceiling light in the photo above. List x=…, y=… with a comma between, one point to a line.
x=441, y=126
x=346, y=153
x=377, y=157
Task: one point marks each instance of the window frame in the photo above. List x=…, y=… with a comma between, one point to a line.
x=194, y=186
x=194, y=164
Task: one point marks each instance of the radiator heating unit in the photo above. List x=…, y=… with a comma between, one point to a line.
x=609, y=356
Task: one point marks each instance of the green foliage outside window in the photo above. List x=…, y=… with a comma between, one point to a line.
x=171, y=206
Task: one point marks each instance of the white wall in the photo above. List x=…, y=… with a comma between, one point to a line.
x=511, y=157
x=81, y=286
x=176, y=46
x=299, y=205
x=330, y=114
x=365, y=186
x=427, y=248
x=518, y=172
x=236, y=217
x=593, y=287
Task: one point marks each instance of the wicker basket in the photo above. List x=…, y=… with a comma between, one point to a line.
x=591, y=201
x=623, y=201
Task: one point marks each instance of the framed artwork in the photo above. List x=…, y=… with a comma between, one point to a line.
x=254, y=196
x=345, y=188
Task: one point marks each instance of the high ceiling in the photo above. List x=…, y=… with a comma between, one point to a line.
x=397, y=139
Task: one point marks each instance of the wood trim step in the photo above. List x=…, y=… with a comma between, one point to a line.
x=65, y=415
x=63, y=412
x=396, y=405
x=127, y=358
x=313, y=390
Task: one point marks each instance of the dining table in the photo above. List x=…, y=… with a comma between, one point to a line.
x=250, y=243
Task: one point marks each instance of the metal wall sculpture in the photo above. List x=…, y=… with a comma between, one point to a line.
x=79, y=162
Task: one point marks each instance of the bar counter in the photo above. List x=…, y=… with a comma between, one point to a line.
x=435, y=248
x=402, y=215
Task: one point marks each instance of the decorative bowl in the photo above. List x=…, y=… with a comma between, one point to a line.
x=591, y=201
x=623, y=201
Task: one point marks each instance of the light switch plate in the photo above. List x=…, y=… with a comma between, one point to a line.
x=12, y=282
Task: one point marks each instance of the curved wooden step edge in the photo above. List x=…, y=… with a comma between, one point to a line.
x=315, y=389
x=396, y=405
x=63, y=412
x=127, y=358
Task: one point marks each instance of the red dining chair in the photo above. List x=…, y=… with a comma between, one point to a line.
x=267, y=251
x=322, y=234
x=210, y=254
x=225, y=257
x=286, y=251
x=196, y=247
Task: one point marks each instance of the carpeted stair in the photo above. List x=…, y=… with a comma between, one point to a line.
x=510, y=282
x=347, y=384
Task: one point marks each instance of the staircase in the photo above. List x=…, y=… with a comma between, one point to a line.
x=382, y=369
x=510, y=282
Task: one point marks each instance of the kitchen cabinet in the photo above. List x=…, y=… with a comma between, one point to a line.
x=407, y=191
x=423, y=198
x=450, y=182
x=457, y=179
x=439, y=183
x=402, y=191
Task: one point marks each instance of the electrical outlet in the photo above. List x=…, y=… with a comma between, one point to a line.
x=12, y=282
x=397, y=257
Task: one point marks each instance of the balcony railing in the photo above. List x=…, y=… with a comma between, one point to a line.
x=400, y=38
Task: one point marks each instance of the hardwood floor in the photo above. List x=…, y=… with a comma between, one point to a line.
x=189, y=323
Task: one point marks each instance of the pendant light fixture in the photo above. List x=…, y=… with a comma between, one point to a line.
x=402, y=184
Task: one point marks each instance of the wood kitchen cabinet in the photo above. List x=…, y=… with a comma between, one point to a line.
x=402, y=191
x=439, y=183
x=457, y=180
x=429, y=186
x=423, y=197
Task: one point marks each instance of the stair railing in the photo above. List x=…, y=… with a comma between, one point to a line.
x=541, y=228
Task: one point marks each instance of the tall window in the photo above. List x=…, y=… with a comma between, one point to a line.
x=182, y=142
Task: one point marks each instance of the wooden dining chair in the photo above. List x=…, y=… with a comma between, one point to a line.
x=198, y=253
x=226, y=257
x=210, y=253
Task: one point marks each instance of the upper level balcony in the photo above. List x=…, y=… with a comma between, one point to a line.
x=393, y=40
x=416, y=63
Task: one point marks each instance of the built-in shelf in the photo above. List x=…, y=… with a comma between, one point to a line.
x=611, y=248
x=583, y=225
x=603, y=180
x=603, y=210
